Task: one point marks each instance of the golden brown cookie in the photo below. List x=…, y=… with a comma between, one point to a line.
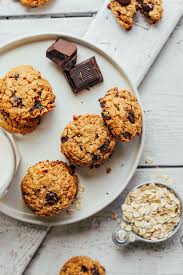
x=49, y=187
x=86, y=141
x=122, y=114
x=24, y=94
x=13, y=126
x=33, y=3
x=152, y=10
x=82, y=265
x=124, y=11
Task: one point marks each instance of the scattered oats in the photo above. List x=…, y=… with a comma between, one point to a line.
x=169, y=180
x=81, y=189
x=151, y=211
x=78, y=205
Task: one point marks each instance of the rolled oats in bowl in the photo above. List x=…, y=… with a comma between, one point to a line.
x=152, y=211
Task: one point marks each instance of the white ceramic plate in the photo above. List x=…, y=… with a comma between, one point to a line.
x=44, y=143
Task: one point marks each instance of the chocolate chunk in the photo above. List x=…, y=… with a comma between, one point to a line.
x=124, y=3
x=102, y=104
x=63, y=53
x=127, y=135
x=131, y=117
x=147, y=8
x=84, y=75
x=16, y=76
x=95, y=271
x=72, y=169
x=96, y=158
x=64, y=139
x=104, y=148
x=69, y=65
x=84, y=269
x=109, y=6
x=37, y=105
x=52, y=198
x=106, y=116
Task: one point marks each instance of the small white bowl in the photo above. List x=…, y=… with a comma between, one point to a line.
x=9, y=160
x=129, y=237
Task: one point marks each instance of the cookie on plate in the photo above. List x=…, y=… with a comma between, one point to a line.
x=152, y=10
x=15, y=127
x=86, y=141
x=24, y=94
x=82, y=265
x=49, y=187
x=122, y=114
x=33, y=3
x=124, y=11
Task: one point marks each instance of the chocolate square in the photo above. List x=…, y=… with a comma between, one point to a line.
x=63, y=53
x=84, y=75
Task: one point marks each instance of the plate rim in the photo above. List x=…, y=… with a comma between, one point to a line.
x=25, y=39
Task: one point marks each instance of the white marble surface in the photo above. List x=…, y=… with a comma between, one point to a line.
x=161, y=93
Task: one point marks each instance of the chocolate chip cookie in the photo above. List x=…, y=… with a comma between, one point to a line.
x=124, y=11
x=86, y=141
x=82, y=265
x=15, y=127
x=33, y=3
x=122, y=114
x=49, y=187
x=24, y=94
x=152, y=10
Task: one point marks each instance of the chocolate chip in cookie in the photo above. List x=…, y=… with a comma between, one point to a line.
x=95, y=271
x=124, y=3
x=52, y=198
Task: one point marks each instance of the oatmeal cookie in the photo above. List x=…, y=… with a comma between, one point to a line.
x=49, y=187
x=24, y=94
x=12, y=126
x=152, y=10
x=33, y=3
x=122, y=114
x=86, y=141
x=82, y=265
x=124, y=11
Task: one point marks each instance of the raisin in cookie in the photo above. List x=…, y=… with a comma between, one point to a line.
x=33, y=3
x=152, y=10
x=86, y=141
x=124, y=11
x=24, y=94
x=122, y=114
x=49, y=187
x=12, y=126
x=82, y=265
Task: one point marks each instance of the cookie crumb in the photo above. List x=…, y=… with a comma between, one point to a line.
x=108, y=170
x=114, y=216
x=149, y=161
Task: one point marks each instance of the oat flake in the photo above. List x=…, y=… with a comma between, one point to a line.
x=151, y=211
